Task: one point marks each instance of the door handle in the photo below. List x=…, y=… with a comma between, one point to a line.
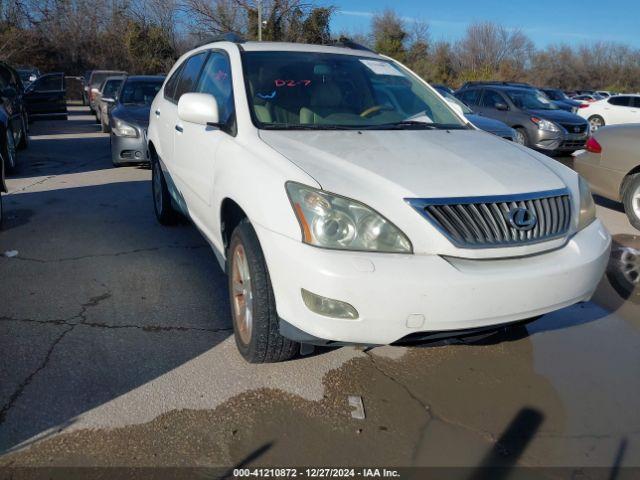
x=179, y=128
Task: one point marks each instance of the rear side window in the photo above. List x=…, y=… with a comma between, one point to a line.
x=636, y=102
x=470, y=97
x=621, y=101
x=49, y=83
x=190, y=74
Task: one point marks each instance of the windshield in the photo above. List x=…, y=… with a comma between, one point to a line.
x=98, y=78
x=25, y=75
x=111, y=88
x=530, y=100
x=140, y=92
x=304, y=90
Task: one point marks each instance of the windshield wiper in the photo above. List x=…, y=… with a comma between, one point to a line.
x=301, y=126
x=413, y=125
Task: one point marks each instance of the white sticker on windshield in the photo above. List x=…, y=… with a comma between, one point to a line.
x=381, y=68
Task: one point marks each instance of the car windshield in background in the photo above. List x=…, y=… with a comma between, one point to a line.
x=465, y=109
x=140, y=92
x=290, y=90
x=111, y=88
x=530, y=100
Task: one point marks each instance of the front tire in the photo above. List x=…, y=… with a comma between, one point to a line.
x=521, y=137
x=24, y=140
x=9, y=151
x=165, y=213
x=631, y=199
x=256, y=325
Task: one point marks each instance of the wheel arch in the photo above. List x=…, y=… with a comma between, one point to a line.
x=635, y=170
x=231, y=214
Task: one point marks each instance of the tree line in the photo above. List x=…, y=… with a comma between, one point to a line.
x=147, y=36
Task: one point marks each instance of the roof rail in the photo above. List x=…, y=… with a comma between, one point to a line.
x=345, y=42
x=224, y=37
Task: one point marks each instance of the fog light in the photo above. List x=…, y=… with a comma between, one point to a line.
x=328, y=307
x=138, y=154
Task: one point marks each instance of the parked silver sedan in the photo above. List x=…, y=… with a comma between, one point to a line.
x=611, y=165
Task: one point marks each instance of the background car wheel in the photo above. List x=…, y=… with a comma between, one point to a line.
x=631, y=199
x=24, y=140
x=256, y=325
x=9, y=151
x=521, y=136
x=596, y=122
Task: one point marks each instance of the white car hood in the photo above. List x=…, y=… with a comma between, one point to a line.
x=413, y=163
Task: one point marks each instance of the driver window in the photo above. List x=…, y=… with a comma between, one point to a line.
x=216, y=81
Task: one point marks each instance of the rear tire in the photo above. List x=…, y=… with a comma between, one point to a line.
x=165, y=212
x=256, y=325
x=596, y=122
x=631, y=199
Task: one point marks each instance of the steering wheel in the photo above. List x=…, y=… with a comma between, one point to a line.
x=376, y=108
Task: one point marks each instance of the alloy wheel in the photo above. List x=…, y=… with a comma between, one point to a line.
x=519, y=137
x=630, y=265
x=595, y=123
x=242, y=294
x=635, y=201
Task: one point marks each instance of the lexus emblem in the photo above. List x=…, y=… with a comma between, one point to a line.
x=576, y=129
x=522, y=219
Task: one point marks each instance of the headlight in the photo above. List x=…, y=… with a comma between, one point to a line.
x=545, y=125
x=123, y=129
x=587, y=206
x=332, y=221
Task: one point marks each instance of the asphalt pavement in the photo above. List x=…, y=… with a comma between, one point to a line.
x=116, y=349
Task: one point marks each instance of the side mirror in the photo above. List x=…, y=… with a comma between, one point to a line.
x=199, y=108
x=501, y=106
x=108, y=100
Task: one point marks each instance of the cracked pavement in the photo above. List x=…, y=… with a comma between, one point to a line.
x=116, y=349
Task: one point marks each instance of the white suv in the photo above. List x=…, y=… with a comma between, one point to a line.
x=349, y=203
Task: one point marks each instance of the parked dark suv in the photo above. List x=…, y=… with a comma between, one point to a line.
x=537, y=121
x=14, y=121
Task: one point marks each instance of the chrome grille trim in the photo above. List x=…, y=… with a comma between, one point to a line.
x=481, y=222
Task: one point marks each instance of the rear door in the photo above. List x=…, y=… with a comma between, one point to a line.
x=620, y=110
x=46, y=96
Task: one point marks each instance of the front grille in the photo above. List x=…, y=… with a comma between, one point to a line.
x=575, y=128
x=484, y=222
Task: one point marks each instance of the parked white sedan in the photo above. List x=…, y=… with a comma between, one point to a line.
x=612, y=111
x=349, y=203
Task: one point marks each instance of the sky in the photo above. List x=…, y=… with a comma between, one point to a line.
x=545, y=22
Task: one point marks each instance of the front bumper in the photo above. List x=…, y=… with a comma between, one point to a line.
x=128, y=150
x=398, y=295
x=559, y=141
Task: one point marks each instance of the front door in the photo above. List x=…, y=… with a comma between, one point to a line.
x=196, y=145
